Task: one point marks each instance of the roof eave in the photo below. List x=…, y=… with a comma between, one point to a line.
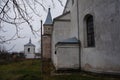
x=47, y=24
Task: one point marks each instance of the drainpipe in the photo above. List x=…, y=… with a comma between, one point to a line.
x=79, y=35
x=41, y=51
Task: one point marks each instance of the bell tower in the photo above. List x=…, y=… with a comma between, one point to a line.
x=48, y=24
x=46, y=37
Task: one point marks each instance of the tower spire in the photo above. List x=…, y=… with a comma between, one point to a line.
x=49, y=18
x=30, y=40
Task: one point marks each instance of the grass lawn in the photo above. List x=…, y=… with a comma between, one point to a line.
x=31, y=70
x=22, y=70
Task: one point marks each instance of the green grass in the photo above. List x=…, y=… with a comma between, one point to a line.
x=31, y=70
x=22, y=70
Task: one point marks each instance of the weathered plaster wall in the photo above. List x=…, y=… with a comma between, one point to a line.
x=74, y=22
x=66, y=16
x=61, y=31
x=68, y=6
x=67, y=56
x=30, y=56
x=105, y=56
x=32, y=49
x=31, y=53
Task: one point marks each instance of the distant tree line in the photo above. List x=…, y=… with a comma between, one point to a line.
x=6, y=57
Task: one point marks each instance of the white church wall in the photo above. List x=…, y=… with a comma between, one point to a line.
x=32, y=49
x=74, y=20
x=67, y=56
x=66, y=16
x=30, y=56
x=61, y=32
x=31, y=53
x=104, y=57
x=68, y=6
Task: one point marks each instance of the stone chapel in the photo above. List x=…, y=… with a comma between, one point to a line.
x=85, y=37
x=29, y=50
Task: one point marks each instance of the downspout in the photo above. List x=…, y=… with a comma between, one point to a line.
x=41, y=50
x=79, y=35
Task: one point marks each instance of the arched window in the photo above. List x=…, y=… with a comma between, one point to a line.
x=90, y=31
x=28, y=49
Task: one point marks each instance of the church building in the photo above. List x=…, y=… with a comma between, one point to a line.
x=29, y=50
x=85, y=37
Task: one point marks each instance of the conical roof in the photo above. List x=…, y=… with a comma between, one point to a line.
x=49, y=18
x=29, y=44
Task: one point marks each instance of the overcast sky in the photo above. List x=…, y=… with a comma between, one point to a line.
x=26, y=32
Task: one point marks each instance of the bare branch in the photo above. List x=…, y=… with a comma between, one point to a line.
x=61, y=2
x=17, y=12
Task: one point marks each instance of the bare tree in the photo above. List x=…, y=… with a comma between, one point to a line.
x=20, y=14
